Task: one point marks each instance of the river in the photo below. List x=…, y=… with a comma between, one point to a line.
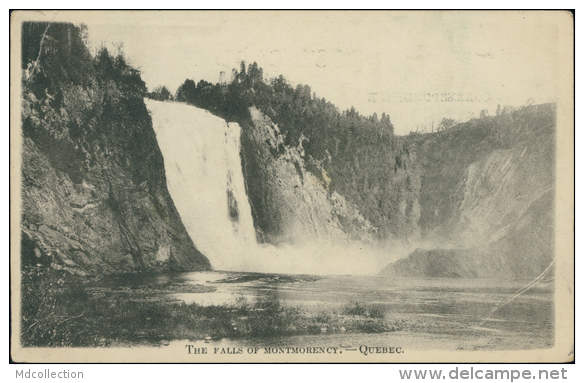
x=438, y=313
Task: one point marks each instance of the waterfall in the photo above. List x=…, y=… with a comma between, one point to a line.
x=205, y=180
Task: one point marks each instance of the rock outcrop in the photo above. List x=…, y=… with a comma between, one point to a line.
x=291, y=204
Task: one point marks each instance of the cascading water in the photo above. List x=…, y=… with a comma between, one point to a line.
x=203, y=171
x=205, y=179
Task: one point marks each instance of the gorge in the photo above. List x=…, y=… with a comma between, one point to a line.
x=112, y=183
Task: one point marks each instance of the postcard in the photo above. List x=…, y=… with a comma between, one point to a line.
x=292, y=186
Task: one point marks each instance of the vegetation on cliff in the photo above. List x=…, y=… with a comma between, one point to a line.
x=72, y=101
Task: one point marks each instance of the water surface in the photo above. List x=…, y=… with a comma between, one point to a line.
x=438, y=313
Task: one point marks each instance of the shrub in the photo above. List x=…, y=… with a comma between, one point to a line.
x=377, y=312
x=354, y=308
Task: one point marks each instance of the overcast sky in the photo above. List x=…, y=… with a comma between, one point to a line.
x=416, y=66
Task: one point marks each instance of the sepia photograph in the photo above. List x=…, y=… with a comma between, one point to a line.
x=292, y=186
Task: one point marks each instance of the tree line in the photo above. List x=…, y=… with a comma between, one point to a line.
x=297, y=111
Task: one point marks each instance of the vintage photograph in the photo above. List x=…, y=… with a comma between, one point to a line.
x=292, y=186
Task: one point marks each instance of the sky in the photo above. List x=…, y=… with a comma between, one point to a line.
x=418, y=67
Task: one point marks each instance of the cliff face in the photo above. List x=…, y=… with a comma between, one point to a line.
x=487, y=197
x=94, y=196
x=113, y=215
x=105, y=223
x=383, y=180
x=524, y=251
x=290, y=203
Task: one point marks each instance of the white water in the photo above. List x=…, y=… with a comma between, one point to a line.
x=203, y=172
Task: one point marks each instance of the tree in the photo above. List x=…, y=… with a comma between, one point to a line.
x=161, y=93
x=186, y=92
x=386, y=125
x=445, y=123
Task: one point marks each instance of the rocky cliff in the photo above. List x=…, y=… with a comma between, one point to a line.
x=94, y=194
x=290, y=203
x=487, y=197
x=105, y=223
